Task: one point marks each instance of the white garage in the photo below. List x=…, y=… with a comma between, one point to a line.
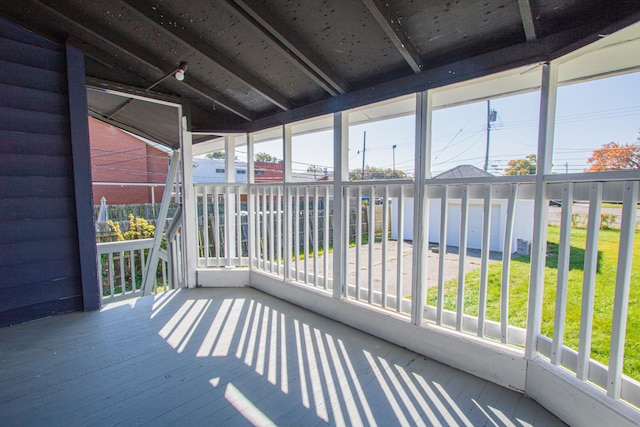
x=522, y=227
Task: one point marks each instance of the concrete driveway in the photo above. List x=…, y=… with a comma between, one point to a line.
x=450, y=271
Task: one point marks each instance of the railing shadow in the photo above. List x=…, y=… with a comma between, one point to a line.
x=268, y=362
x=234, y=357
x=576, y=257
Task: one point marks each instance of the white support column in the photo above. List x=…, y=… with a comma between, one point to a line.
x=189, y=207
x=230, y=216
x=340, y=174
x=229, y=159
x=251, y=170
x=546, y=128
x=288, y=212
x=286, y=153
x=251, y=206
x=420, y=207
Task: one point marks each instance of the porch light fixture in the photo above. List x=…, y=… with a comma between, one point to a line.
x=182, y=68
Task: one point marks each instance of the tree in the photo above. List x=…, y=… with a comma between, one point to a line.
x=314, y=168
x=266, y=158
x=216, y=155
x=526, y=166
x=372, y=172
x=614, y=156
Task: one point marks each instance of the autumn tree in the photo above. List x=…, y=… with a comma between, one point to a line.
x=526, y=166
x=266, y=158
x=614, y=156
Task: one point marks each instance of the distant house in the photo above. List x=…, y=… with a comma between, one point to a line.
x=124, y=167
x=207, y=170
x=523, y=220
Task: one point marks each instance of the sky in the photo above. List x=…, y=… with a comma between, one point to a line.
x=588, y=115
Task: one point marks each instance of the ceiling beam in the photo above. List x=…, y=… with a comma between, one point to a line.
x=281, y=37
x=392, y=27
x=526, y=14
x=148, y=61
x=193, y=42
x=525, y=53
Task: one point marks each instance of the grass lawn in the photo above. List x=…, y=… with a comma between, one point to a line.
x=604, y=294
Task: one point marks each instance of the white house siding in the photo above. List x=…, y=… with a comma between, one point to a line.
x=213, y=171
x=522, y=228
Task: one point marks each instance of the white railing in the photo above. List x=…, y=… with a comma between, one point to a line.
x=292, y=235
x=470, y=225
x=122, y=269
x=175, y=250
x=480, y=222
x=223, y=239
x=379, y=261
x=594, y=190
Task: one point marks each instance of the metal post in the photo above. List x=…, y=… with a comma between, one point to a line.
x=364, y=151
x=394, y=160
x=486, y=155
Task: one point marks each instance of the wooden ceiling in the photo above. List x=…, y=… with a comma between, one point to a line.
x=253, y=64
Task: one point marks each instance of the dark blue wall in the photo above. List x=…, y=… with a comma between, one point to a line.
x=40, y=269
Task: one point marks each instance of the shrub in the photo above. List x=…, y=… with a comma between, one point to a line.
x=607, y=221
x=139, y=228
x=579, y=220
x=115, y=229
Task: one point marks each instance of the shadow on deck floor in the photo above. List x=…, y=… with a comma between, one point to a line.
x=233, y=357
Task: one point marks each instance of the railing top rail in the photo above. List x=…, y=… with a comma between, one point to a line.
x=293, y=184
x=127, y=245
x=625, y=175
x=234, y=185
x=377, y=182
x=524, y=179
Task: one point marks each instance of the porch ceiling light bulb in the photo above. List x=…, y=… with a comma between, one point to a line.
x=179, y=75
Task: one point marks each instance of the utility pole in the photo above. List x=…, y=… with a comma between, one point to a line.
x=394, y=159
x=491, y=117
x=566, y=167
x=364, y=150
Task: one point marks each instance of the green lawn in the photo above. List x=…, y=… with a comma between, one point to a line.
x=604, y=294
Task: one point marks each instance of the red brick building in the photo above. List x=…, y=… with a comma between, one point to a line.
x=119, y=158
x=268, y=172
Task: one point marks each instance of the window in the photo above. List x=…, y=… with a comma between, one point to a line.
x=219, y=170
x=241, y=171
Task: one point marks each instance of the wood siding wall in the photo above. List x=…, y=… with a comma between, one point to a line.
x=40, y=270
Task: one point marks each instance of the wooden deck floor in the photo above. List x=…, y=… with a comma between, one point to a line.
x=232, y=357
